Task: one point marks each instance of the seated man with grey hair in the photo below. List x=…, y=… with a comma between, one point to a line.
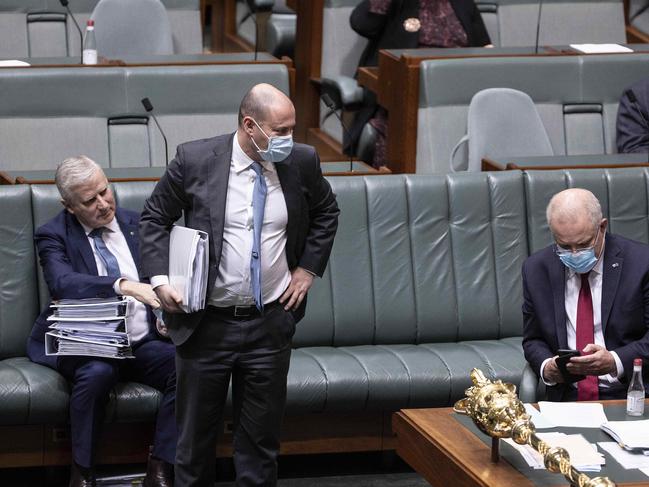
x=589, y=292
x=90, y=250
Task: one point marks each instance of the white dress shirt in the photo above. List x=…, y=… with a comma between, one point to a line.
x=572, y=288
x=116, y=243
x=233, y=284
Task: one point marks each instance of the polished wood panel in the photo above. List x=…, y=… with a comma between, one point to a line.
x=446, y=453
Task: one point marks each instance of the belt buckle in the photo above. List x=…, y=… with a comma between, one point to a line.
x=242, y=311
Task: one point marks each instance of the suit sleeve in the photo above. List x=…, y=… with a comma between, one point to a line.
x=632, y=123
x=535, y=347
x=63, y=280
x=638, y=348
x=323, y=221
x=161, y=210
x=479, y=34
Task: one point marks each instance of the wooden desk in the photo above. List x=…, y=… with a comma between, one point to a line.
x=596, y=161
x=224, y=28
x=447, y=453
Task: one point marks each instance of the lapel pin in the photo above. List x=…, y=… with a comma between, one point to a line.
x=615, y=265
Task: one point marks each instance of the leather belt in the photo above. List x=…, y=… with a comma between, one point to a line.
x=247, y=312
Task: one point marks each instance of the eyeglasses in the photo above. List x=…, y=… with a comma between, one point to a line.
x=559, y=250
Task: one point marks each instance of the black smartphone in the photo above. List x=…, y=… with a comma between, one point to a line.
x=564, y=356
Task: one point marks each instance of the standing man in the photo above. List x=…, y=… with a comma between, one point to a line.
x=271, y=218
x=90, y=250
x=589, y=291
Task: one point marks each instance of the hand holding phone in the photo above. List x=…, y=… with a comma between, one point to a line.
x=564, y=356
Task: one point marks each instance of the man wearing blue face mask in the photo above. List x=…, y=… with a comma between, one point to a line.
x=589, y=291
x=271, y=218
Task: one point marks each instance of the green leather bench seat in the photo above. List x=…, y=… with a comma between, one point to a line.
x=423, y=284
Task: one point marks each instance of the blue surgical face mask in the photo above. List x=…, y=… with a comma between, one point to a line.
x=580, y=261
x=279, y=147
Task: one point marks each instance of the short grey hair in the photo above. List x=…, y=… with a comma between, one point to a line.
x=71, y=173
x=568, y=204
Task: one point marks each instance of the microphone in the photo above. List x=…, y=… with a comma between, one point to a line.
x=538, y=28
x=146, y=103
x=332, y=106
x=64, y=3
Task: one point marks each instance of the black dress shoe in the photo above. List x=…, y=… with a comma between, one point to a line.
x=158, y=474
x=81, y=477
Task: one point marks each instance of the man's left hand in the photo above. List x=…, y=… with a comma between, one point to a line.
x=301, y=282
x=596, y=360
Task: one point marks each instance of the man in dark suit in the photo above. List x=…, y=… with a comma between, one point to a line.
x=588, y=292
x=271, y=218
x=90, y=250
x=633, y=119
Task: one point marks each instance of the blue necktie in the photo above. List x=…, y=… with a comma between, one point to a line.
x=106, y=256
x=258, y=203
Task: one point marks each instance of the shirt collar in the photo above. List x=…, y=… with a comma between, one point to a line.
x=241, y=161
x=112, y=226
x=598, y=267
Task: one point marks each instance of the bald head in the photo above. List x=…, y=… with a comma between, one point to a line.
x=575, y=219
x=260, y=101
x=572, y=205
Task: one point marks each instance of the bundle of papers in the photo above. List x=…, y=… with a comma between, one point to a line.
x=189, y=266
x=583, y=455
x=630, y=435
x=625, y=458
x=89, y=327
x=573, y=414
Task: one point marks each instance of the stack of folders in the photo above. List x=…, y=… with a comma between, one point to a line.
x=89, y=327
x=189, y=266
x=630, y=435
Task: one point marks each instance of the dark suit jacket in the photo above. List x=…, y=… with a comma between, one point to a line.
x=387, y=31
x=633, y=119
x=69, y=267
x=625, y=306
x=196, y=182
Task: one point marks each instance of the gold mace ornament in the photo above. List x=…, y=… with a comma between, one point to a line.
x=497, y=411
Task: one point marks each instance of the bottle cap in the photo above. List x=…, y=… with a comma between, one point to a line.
x=90, y=23
x=637, y=361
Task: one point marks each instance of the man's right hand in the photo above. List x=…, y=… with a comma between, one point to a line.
x=551, y=372
x=169, y=298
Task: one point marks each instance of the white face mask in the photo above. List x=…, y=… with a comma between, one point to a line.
x=279, y=147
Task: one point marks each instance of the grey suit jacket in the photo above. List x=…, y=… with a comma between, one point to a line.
x=196, y=183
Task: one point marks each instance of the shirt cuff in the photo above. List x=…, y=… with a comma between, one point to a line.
x=160, y=280
x=542, y=369
x=116, y=284
x=620, y=369
x=380, y=7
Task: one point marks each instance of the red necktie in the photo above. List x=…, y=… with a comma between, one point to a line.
x=587, y=389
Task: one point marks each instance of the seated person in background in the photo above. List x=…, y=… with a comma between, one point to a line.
x=589, y=291
x=90, y=250
x=408, y=24
x=633, y=119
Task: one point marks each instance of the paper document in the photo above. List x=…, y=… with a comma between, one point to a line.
x=13, y=63
x=573, y=414
x=189, y=266
x=90, y=327
x=631, y=435
x=600, y=48
x=539, y=420
x=583, y=455
x=625, y=458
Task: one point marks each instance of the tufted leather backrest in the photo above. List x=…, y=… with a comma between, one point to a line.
x=401, y=273
x=18, y=292
x=417, y=259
